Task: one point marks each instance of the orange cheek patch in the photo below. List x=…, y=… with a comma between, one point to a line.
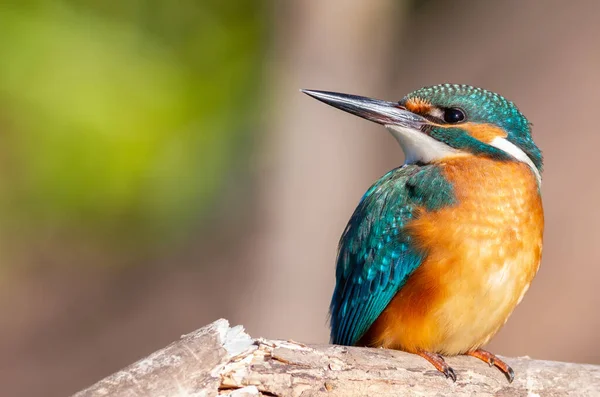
x=484, y=132
x=418, y=105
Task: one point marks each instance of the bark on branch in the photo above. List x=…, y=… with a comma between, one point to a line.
x=219, y=360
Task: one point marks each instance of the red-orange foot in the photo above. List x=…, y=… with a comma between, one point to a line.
x=439, y=364
x=491, y=359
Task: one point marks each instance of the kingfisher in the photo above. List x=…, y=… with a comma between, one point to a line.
x=441, y=250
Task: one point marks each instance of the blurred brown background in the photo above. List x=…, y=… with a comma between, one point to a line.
x=159, y=168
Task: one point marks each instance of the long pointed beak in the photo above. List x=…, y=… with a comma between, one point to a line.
x=381, y=112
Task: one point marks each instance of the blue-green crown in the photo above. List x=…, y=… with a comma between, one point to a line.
x=482, y=106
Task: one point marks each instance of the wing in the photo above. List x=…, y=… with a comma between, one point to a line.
x=375, y=255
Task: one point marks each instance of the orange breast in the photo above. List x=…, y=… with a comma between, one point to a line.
x=482, y=255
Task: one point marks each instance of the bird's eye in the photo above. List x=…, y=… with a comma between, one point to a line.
x=453, y=115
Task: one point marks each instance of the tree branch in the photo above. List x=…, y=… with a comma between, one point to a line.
x=219, y=360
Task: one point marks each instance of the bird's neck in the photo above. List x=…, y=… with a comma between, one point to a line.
x=480, y=176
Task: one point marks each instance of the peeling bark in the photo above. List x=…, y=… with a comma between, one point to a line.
x=219, y=360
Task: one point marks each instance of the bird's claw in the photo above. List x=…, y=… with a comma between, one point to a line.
x=439, y=364
x=449, y=372
x=510, y=374
x=492, y=360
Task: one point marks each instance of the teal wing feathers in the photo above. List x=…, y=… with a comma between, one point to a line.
x=375, y=255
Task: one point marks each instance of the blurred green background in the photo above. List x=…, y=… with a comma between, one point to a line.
x=159, y=168
x=123, y=119
x=122, y=125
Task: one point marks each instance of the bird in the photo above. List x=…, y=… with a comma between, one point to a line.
x=440, y=250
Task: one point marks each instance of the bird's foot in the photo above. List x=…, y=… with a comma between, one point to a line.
x=491, y=359
x=439, y=363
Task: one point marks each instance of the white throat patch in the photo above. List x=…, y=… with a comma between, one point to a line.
x=419, y=147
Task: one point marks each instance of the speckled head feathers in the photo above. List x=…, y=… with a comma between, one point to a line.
x=481, y=106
